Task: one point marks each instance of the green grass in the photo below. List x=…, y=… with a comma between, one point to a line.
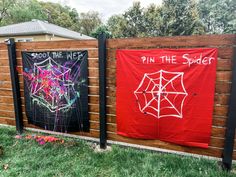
x=77, y=158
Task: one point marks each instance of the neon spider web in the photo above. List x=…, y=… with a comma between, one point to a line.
x=161, y=94
x=52, y=86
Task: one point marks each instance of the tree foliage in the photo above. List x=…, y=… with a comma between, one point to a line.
x=89, y=22
x=101, y=29
x=16, y=11
x=173, y=17
x=61, y=15
x=180, y=17
x=5, y=5
x=116, y=24
x=218, y=16
x=25, y=10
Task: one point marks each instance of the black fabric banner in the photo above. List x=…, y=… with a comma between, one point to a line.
x=56, y=89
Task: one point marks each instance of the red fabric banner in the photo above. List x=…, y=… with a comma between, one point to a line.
x=166, y=94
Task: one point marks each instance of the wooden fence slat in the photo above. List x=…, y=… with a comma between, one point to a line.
x=189, y=41
x=3, y=47
x=92, y=62
x=223, y=53
x=92, y=53
x=159, y=144
x=70, y=44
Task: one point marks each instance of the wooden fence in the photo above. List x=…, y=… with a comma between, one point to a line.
x=224, y=43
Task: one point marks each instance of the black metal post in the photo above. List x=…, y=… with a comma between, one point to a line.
x=102, y=89
x=15, y=84
x=231, y=122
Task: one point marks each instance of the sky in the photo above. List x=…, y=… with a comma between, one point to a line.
x=106, y=8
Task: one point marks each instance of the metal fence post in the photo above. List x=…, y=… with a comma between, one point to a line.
x=231, y=122
x=102, y=89
x=15, y=84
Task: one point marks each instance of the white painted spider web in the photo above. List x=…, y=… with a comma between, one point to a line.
x=52, y=86
x=161, y=94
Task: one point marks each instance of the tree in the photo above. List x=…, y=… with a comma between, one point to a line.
x=174, y=17
x=61, y=15
x=5, y=5
x=15, y=11
x=26, y=10
x=136, y=22
x=117, y=25
x=89, y=21
x=180, y=17
x=134, y=17
x=152, y=20
x=101, y=29
x=219, y=16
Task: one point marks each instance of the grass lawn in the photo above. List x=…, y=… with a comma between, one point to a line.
x=23, y=158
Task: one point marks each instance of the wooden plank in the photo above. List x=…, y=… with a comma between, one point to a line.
x=93, y=81
x=92, y=116
x=7, y=121
x=223, y=53
x=8, y=107
x=222, y=99
x=92, y=133
x=92, y=62
x=220, y=75
x=224, y=65
x=4, y=69
x=221, y=110
x=224, y=76
x=5, y=77
x=92, y=52
x=4, y=62
x=94, y=110
x=111, y=101
x=92, y=72
x=93, y=99
x=223, y=87
x=3, y=54
x=6, y=99
x=7, y=84
x=5, y=93
x=9, y=114
x=218, y=132
x=165, y=145
x=234, y=154
x=70, y=44
x=111, y=64
x=93, y=90
x=219, y=121
x=185, y=41
x=3, y=46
